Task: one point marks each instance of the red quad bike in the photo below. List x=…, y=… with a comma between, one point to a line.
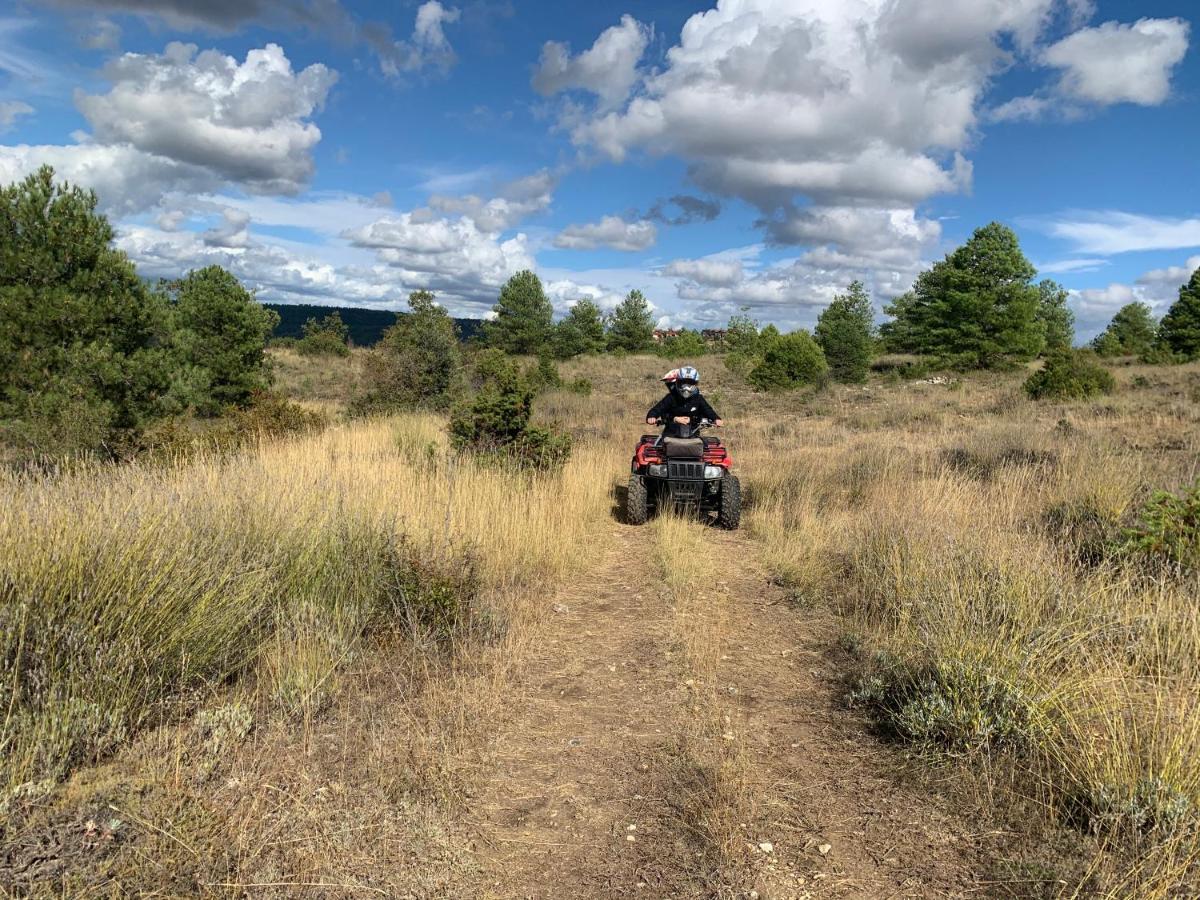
x=687, y=473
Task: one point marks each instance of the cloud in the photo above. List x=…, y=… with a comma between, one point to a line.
x=1157, y=288
x=707, y=272
x=234, y=230
x=102, y=34
x=10, y=111
x=610, y=231
x=448, y=256
x=691, y=209
x=1117, y=63
x=1086, y=264
x=608, y=69
x=1110, y=232
x=191, y=122
x=516, y=201
x=1104, y=65
x=426, y=48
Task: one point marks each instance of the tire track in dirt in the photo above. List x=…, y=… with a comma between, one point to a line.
x=825, y=795
x=606, y=733
x=576, y=765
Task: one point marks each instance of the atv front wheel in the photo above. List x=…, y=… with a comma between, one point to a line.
x=637, y=503
x=729, y=506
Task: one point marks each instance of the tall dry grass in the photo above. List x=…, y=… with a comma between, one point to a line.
x=129, y=595
x=973, y=544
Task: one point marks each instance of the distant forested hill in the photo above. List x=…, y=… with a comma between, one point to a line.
x=366, y=325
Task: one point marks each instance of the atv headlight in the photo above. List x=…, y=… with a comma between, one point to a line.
x=713, y=471
x=658, y=471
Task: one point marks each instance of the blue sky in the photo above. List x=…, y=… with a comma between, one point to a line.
x=754, y=154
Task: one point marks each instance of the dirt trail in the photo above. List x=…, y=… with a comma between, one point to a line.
x=586, y=797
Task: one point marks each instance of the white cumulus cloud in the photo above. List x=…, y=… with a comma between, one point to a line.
x=607, y=69
x=1119, y=63
x=610, y=231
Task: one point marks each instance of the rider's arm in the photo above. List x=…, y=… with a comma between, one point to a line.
x=659, y=409
x=706, y=410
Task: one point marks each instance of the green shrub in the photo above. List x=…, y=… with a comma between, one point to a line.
x=83, y=361
x=846, y=333
x=1070, y=375
x=1168, y=528
x=580, y=331
x=495, y=423
x=329, y=336
x=416, y=365
x=790, y=361
x=543, y=375
x=1150, y=807
x=683, y=346
x=580, y=385
x=951, y=705
x=219, y=337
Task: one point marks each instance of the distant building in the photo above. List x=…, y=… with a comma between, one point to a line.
x=713, y=335
x=661, y=334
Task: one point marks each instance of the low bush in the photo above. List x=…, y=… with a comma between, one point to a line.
x=951, y=705
x=580, y=385
x=543, y=375
x=1070, y=375
x=495, y=423
x=790, y=361
x=1168, y=528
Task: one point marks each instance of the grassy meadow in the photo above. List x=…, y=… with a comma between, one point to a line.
x=972, y=542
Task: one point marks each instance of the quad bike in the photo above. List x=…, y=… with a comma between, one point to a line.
x=689, y=473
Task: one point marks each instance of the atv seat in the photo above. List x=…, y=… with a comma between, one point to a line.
x=683, y=448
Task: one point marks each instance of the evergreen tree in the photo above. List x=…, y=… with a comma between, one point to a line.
x=631, y=327
x=524, y=316
x=1130, y=333
x=976, y=308
x=581, y=331
x=845, y=331
x=1180, y=327
x=417, y=364
x=687, y=344
x=789, y=361
x=82, y=365
x=1055, y=316
x=328, y=336
x=219, y=337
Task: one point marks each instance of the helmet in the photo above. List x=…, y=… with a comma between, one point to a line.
x=684, y=381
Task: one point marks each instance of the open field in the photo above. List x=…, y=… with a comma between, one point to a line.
x=354, y=663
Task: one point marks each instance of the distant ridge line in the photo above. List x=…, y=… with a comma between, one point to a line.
x=366, y=325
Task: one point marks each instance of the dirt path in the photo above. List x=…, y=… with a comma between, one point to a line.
x=625, y=773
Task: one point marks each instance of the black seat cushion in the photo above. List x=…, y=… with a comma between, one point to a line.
x=683, y=448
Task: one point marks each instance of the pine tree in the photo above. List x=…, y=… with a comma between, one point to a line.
x=1055, y=316
x=417, y=363
x=845, y=331
x=976, y=308
x=1180, y=327
x=523, y=316
x=581, y=331
x=82, y=361
x=1130, y=333
x=631, y=327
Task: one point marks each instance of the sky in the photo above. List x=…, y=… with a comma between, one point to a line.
x=747, y=155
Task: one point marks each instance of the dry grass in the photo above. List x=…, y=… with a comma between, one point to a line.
x=969, y=540
x=132, y=595
x=268, y=643
x=708, y=770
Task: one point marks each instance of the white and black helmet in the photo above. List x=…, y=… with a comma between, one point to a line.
x=684, y=381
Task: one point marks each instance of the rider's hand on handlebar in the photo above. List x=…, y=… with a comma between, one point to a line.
x=652, y=421
x=718, y=422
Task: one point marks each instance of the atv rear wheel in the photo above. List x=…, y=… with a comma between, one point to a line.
x=637, y=503
x=729, y=506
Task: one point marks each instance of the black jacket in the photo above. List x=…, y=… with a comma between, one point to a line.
x=670, y=406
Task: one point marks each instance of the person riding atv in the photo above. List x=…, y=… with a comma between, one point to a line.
x=681, y=469
x=684, y=406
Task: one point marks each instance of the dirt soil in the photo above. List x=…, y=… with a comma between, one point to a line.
x=585, y=798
